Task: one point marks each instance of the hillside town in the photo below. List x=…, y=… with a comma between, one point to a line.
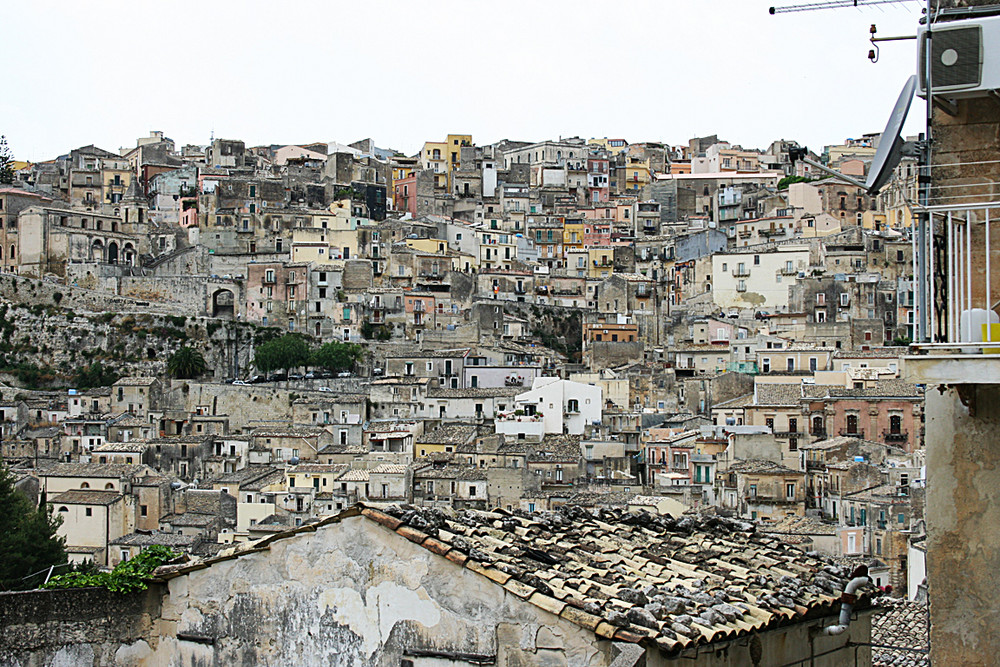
x=573, y=322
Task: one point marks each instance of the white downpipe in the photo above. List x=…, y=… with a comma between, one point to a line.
x=930, y=278
x=846, y=607
x=951, y=280
x=989, y=303
x=968, y=262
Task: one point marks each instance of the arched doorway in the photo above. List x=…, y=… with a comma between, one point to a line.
x=223, y=304
x=128, y=254
x=97, y=251
x=112, y=253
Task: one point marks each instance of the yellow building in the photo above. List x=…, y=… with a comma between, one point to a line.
x=636, y=175
x=573, y=235
x=600, y=261
x=428, y=245
x=442, y=157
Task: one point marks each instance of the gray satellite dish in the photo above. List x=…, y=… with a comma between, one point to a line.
x=890, y=146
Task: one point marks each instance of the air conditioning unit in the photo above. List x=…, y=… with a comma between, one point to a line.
x=965, y=55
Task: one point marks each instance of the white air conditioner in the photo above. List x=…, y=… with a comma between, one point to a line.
x=965, y=58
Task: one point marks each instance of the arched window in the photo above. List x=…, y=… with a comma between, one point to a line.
x=85, y=485
x=63, y=509
x=11, y=254
x=110, y=486
x=817, y=425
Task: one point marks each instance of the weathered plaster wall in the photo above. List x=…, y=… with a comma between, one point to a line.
x=354, y=593
x=963, y=525
x=80, y=627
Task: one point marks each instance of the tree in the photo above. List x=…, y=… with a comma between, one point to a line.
x=337, y=356
x=186, y=363
x=94, y=375
x=6, y=162
x=30, y=543
x=289, y=351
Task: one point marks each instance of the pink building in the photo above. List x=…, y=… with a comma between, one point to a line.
x=405, y=194
x=596, y=233
x=597, y=179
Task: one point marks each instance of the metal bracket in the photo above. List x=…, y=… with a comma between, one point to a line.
x=946, y=105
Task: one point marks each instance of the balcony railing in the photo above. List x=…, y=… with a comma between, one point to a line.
x=741, y=273
x=789, y=270
x=858, y=433
x=895, y=437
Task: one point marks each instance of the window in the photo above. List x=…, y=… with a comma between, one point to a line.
x=895, y=424
x=143, y=510
x=790, y=363
x=790, y=491
x=765, y=365
x=813, y=364
x=88, y=511
x=753, y=490
x=817, y=428
x=844, y=299
x=821, y=299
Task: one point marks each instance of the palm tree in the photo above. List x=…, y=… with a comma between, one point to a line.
x=186, y=363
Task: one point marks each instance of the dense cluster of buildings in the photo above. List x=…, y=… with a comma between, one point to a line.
x=570, y=323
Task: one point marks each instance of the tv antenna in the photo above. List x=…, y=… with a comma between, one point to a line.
x=832, y=4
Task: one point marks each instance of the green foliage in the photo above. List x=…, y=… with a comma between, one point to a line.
x=375, y=331
x=29, y=543
x=289, y=351
x=94, y=375
x=57, y=297
x=6, y=163
x=901, y=341
x=338, y=356
x=788, y=180
x=212, y=327
x=128, y=576
x=186, y=363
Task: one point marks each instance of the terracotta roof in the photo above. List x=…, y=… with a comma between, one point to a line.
x=452, y=434
x=114, y=470
x=137, y=381
x=629, y=577
x=902, y=624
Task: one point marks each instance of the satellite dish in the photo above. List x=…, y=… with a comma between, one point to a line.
x=890, y=146
x=294, y=461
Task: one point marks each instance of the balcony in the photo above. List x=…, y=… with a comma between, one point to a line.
x=964, y=357
x=895, y=437
x=772, y=231
x=741, y=273
x=788, y=271
x=860, y=433
x=745, y=233
x=818, y=433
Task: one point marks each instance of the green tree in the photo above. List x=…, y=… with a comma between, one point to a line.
x=30, y=543
x=186, y=363
x=6, y=162
x=337, y=356
x=285, y=353
x=94, y=375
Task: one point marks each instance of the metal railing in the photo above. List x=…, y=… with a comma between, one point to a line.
x=965, y=279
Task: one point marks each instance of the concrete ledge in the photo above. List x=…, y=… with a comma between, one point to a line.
x=953, y=369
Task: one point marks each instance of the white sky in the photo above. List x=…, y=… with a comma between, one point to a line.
x=406, y=71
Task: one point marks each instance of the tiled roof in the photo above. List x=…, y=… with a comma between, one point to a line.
x=903, y=624
x=762, y=467
x=156, y=537
x=86, y=497
x=310, y=468
x=475, y=392
x=354, y=476
x=137, y=381
x=738, y=402
x=115, y=470
x=629, y=577
x=388, y=469
x=452, y=434
x=136, y=446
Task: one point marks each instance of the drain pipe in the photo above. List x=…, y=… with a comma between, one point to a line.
x=859, y=578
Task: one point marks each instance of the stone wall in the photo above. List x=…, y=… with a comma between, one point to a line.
x=18, y=289
x=87, y=626
x=963, y=523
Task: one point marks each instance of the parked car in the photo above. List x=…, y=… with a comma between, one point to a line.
x=345, y=374
x=310, y=376
x=241, y=383
x=376, y=371
x=257, y=379
x=295, y=376
x=325, y=389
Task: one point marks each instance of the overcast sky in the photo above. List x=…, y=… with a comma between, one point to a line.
x=403, y=72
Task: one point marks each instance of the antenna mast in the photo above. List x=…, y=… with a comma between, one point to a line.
x=832, y=4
